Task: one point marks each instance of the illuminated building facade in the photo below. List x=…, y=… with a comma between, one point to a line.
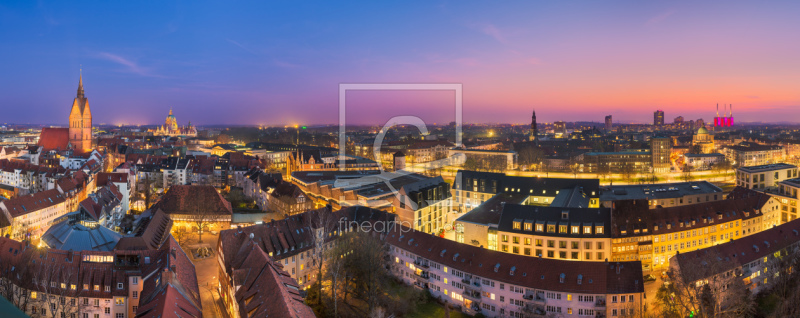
x=724, y=121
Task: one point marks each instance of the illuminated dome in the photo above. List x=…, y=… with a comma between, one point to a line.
x=702, y=131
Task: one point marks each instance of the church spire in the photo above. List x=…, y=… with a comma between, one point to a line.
x=80, y=85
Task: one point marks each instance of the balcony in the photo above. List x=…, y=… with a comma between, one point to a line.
x=421, y=263
x=423, y=274
x=536, y=298
x=472, y=288
x=599, y=314
x=474, y=295
x=600, y=303
x=475, y=307
x=535, y=310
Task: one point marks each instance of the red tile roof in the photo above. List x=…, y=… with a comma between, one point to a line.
x=266, y=289
x=54, y=138
x=188, y=199
x=735, y=253
x=30, y=203
x=530, y=272
x=118, y=177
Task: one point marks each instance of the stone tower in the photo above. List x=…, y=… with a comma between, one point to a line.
x=534, y=132
x=80, y=121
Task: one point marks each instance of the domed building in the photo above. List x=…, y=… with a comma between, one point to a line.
x=171, y=128
x=704, y=140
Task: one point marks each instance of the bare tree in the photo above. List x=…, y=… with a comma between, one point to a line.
x=57, y=287
x=11, y=286
x=603, y=171
x=335, y=267
x=181, y=234
x=686, y=175
x=202, y=219
x=706, y=287
x=574, y=166
x=627, y=170
x=322, y=223
x=147, y=190
x=368, y=264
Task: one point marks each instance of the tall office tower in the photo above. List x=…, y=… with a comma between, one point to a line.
x=661, y=149
x=609, y=123
x=658, y=118
x=560, y=127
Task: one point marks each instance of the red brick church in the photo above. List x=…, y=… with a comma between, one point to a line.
x=79, y=134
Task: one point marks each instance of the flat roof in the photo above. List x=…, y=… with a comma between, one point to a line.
x=489, y=212
x=791, y=182
x=656, y=191
x=769, y=167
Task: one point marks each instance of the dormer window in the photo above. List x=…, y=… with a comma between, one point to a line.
x=561, y=278
x=576, y=230
x=565, y=215
x=587, y=230
x=598, y=230
x=517, y=225
x=528, y=226
x=580, y=279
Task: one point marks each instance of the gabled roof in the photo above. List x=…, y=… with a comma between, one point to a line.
x=266, y=289
x=29, y=203
x=54, y=138
x=188, y=199
x=735, y=253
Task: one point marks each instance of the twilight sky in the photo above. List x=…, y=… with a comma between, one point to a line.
x=280, y=62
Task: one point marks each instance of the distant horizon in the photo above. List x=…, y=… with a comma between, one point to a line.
x=318, y=125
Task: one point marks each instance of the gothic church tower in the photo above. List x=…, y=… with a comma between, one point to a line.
x=80, y=121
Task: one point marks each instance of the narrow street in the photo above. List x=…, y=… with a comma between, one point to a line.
x=207, y=276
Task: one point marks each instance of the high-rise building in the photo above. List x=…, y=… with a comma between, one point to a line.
x=560, y=127
x=608, y=123
x=658, y=118
x=533, y=135
x=678, y=120
x=80, y=121
x=661, y=149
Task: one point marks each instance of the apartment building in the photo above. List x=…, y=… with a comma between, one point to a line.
x=119, y=284
x=575, y=234
x=473, y=188
x=653, y=236
x=496, y=284
x=31, y=215
x=765, y=177
x=749, y=258
x=751, y=154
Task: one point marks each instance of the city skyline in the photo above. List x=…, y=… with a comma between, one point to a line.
x=284, y=67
